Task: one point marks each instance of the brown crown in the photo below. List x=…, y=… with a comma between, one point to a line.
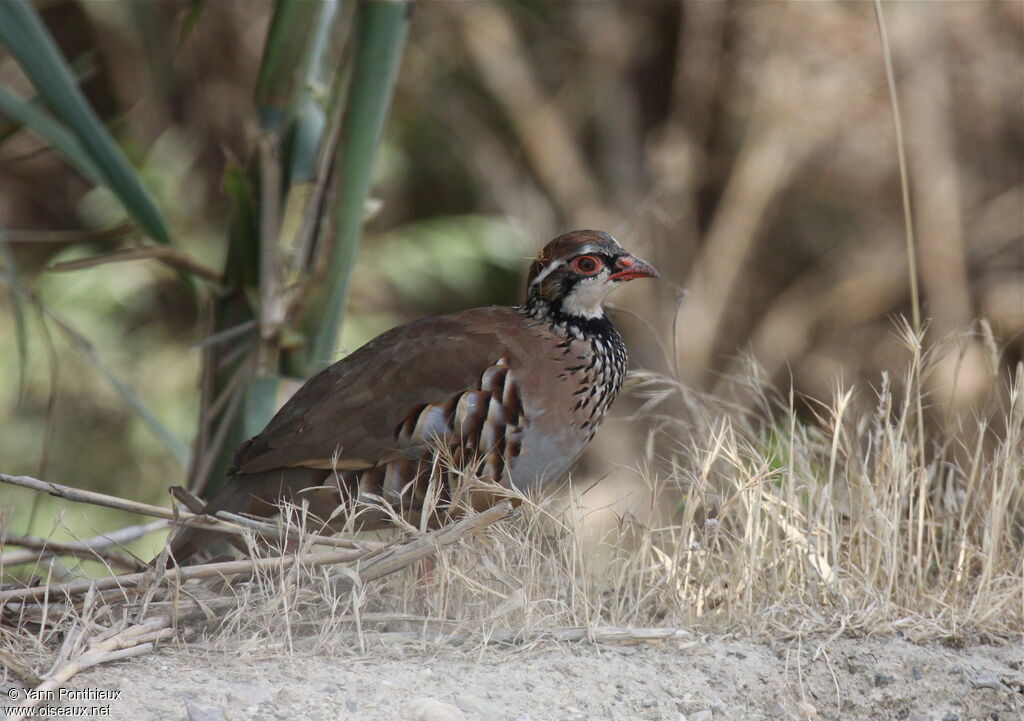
x=567, y=245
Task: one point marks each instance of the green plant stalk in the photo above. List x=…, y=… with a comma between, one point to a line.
x=380, y=30
x=23, y=32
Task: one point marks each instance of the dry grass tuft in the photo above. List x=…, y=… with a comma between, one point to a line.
x=871, y=518
x=867, y=519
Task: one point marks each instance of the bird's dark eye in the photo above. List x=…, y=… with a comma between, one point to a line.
x=586, y=265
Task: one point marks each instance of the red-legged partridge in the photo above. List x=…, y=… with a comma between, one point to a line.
x=511, y=396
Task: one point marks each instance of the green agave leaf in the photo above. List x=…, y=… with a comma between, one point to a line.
x=24, y=34
x=83, y=67
x=46, y=128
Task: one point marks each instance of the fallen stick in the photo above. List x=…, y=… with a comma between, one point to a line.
x=376, y=563
x=186, y=573
x=139, y=639
x=183, y=517
x=395, y=558
x=33, y=545
x=96, y=499
x=136, y=640
x=52, y=550
x=269, y=529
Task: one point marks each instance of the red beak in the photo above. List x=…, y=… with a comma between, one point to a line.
x=632, y=267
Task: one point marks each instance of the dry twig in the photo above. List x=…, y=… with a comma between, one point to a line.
x=38, y=548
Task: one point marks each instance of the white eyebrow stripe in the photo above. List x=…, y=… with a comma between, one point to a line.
x=582, y=250
x=547, y=271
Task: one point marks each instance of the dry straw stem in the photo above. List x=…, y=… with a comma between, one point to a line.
x=746, y=519
x=229, y=523
x=208, y=570
x=897, y=123
x=167, y=255
x=35, y=549
x=139, y=638
x=373, y=564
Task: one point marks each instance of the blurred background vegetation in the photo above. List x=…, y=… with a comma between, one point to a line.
x=745, y=148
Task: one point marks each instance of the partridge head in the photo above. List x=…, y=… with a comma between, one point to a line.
x=508, y=396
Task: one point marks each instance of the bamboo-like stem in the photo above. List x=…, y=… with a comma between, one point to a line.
x=380, y=30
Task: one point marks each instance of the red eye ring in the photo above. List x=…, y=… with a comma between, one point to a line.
x=586, y=265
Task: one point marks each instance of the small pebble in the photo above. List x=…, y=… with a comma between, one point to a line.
x=808, y=710
x=718, y=706
x=917, y=673
x=484, y=709
x=251, y=693
x=736, y=654
x=430, y=709
x=987, y=680
x=951, y=717
x=704, y=715
x=199, y=712
x=882, y=679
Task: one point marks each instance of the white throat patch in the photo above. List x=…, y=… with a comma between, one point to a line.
x=585, y=299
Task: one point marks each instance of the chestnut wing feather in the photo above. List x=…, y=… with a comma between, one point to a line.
x=347, y=415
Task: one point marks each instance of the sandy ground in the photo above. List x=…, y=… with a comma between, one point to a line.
x=706, y=680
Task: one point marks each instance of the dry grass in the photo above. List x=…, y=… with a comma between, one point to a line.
x=758, y=523
x=762, y=523
x=755, y=523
